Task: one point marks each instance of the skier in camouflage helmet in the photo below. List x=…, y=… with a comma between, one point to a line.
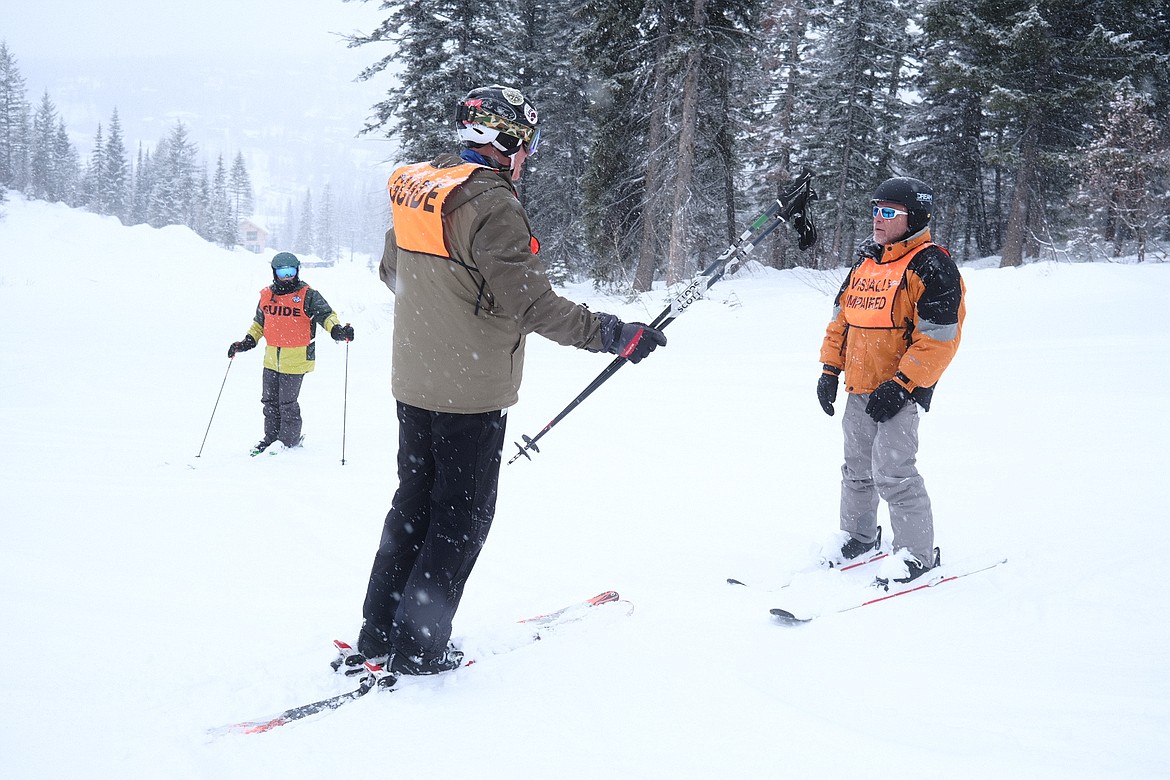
x=469, y=286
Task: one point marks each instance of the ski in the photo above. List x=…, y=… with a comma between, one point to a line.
x=946, y=574
x=823, y=566
x=349, y=661
x=372, y=676
x=828, y=564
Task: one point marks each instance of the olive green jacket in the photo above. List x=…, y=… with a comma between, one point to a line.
x=460, y=323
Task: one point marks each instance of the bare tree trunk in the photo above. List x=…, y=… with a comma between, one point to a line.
x=677, y=256
x=784, y=122
x=1015, y=233
x=648, y=245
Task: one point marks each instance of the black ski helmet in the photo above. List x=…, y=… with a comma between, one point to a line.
x=497, y=115
x=914, y=194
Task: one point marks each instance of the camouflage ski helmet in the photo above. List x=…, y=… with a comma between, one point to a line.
x=500, y=116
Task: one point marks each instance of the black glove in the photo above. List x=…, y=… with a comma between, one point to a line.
x=241, y=346
x=886, y=401
x=827, y=388
x=631, y=340
x=342, y=332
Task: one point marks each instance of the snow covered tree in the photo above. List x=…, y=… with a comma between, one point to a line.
x=325, y=234
x=93, y=171
x=444, y=49
x=1047, y=66
x=305, y=239
x=43, y=182
x=115, y=172
x=224, y=228
x=143, y=185
x=1122, y=164
x=859, y=66
x=775, y=140
x=608, y=48
x=240, y=190
x=175, y=185
x=15, y=125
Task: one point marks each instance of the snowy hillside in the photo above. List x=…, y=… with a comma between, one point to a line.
x=147, y=595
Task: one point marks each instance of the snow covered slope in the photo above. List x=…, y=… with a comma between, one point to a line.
x=147, y=595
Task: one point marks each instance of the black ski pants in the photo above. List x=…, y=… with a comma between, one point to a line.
x=282, y=411
x=448, y=473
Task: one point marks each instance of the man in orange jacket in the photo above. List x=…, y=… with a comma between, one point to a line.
x=287, y=317
x=896, y=326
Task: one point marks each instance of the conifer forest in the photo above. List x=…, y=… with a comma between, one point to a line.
x=1042, y=126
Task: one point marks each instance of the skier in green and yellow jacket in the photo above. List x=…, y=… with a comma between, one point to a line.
x=287, y=317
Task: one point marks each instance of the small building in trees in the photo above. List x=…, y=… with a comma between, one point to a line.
x=253, y=236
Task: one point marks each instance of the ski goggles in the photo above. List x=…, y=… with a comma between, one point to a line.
x=286, y=272
x=885, y=212
x=529, y=136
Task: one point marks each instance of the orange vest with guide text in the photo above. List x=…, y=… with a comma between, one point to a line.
x=286, y=324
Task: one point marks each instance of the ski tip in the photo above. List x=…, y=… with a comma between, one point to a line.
x=734, y=581
x=605, y=598
x=786, y=618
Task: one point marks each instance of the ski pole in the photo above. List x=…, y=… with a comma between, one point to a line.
x=225, y=375
x=791, y=207
x=344, y=403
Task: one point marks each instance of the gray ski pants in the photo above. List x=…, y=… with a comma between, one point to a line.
x=880, y=463
x=282, y=411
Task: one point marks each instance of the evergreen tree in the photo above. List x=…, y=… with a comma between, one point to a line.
x=1123, y=165
x=176, y=186
x=1048, y=66
x=225, y=230
x=952, y=134
x=325, y=234
x=15, y=126
x=858, y=61
x=775, y=139
x=305, y=239
x=43, y=182
x=115, y=173
x=67, y=165
x=143, y=187
x=444, y=49
x=240, y=191
x=93, y=174
x=608, y=48
x=551, y=189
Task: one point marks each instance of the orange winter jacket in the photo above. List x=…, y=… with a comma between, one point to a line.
x=898, y=315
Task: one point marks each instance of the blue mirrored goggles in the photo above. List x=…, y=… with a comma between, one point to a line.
x=887, y=213
x=286, y=272
x=532, y=145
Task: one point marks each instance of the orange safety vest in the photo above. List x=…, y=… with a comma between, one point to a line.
x=868, y=300
x=417, y=194
x=286, y=324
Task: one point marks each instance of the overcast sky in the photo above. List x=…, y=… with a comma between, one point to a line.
x=88, y=28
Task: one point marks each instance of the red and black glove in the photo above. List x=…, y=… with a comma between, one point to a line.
x=631, y=340
x=241, y=346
